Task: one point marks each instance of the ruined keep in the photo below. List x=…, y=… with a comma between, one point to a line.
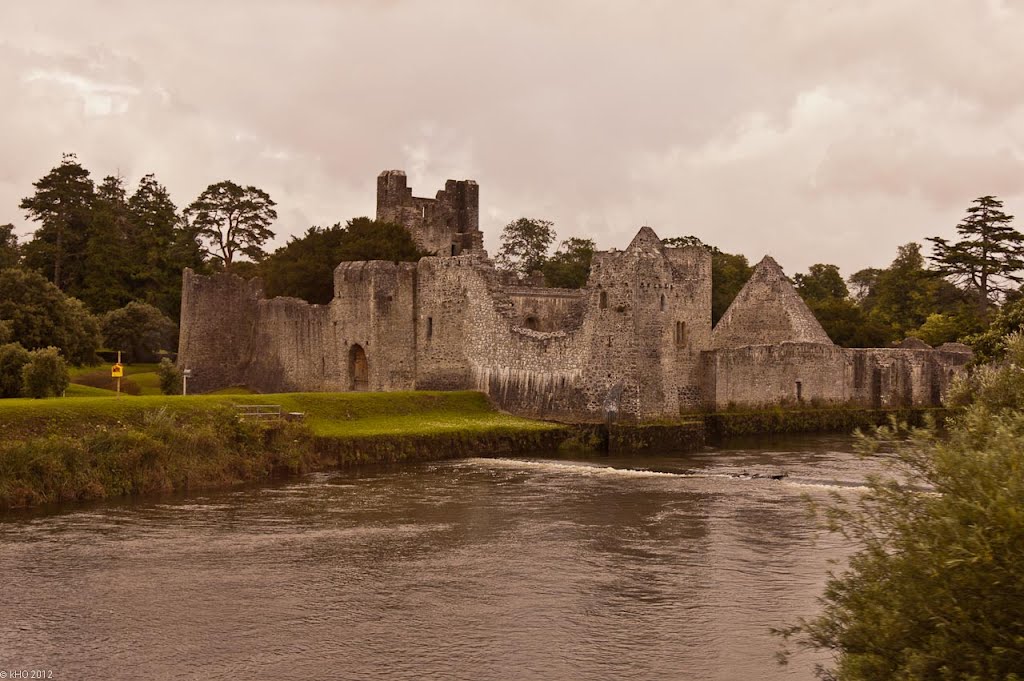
x=636, y=343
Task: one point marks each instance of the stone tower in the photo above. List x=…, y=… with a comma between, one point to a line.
x=446, y=225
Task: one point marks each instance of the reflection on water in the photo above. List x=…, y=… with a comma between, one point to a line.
x=631, y=568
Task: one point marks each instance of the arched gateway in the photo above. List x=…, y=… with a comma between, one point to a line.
x=358, y=368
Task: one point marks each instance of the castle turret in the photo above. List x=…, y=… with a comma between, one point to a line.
x=446, y=225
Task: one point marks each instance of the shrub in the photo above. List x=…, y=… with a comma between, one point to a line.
x=936, y=589
x=140, y=330
x=13, y=358
x=170, y=377
x=45, y=374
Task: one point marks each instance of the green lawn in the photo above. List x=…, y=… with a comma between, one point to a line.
x=140, y=378
x=329, y=414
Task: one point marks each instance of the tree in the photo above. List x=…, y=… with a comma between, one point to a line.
x=304, y=267
x=524, y=245
x=989, y=255
x=45, y=374
x=231, y=220
x=13, y=359
x=62, y=204
x=40, y=316
x=822, y=282
x=10, y=254
x=936, y=588
x=990, y=344
x=825, y=293
x=902, y=296
x=569, y=267
x=138, y=329
x=163, y=247
x=109, y=250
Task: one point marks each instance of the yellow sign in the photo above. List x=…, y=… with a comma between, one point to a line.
x=117, y=371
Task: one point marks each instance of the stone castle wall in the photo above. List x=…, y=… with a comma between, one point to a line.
x=793, y=373
x=636, y=343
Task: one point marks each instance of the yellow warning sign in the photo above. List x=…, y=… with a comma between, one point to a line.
x=117, y=371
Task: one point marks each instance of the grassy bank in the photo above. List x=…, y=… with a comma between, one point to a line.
x=99, y=447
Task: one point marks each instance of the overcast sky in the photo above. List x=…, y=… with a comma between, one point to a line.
x=810, y=130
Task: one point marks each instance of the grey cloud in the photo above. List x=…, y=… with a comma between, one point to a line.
x=814, y=131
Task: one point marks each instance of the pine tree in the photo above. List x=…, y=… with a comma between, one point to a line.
x=62, y=204
x=989, y=255
x=231, y=220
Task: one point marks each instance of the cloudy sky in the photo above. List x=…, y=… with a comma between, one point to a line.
x=815, y=131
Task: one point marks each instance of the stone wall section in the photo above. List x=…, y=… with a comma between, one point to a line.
x=814, y=373
x=374, y=311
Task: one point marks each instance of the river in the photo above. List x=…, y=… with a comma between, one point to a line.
x=478, y=569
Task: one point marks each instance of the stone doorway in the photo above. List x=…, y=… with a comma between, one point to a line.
x=358, y=368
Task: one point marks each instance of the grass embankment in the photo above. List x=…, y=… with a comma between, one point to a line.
x=97, y=447
x=139, y=379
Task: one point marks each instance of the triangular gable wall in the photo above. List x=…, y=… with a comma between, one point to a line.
x=767, y=311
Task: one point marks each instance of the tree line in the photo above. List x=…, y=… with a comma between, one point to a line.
x=103, y=268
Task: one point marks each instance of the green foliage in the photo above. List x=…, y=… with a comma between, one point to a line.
x=569, y=267
x=989, y=256
x=729, y=274
x=230, y=220
x=524, y=245
x=162, y=247
x=109, y=248
x=942, y=328
x=62, y=204
x=6, y=331
x=990, y=344
x=10, y=251
x=45, y=374
x=304, y=267
x=847, y=325
x=170, y=377
x=13, y=359
x=901, y=297
x=845, y=322
x=41, y=316
x=822, y=282
x=140, y=330
x=936, y=589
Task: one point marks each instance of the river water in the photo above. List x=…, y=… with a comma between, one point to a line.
x=478, y=569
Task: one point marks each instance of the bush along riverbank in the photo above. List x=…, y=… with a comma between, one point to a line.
x=722, y=425
x=55, y=451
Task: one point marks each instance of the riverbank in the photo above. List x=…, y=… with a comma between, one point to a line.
x=64, y=450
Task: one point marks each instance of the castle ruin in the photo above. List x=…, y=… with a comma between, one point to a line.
x=635, y=344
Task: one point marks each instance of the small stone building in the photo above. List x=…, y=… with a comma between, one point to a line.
x=636, y=343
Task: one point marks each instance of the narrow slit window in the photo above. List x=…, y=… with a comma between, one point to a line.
x=662, y=302
x=680, y=333
x=604, y=300
x=430, y=328
x=799, y=391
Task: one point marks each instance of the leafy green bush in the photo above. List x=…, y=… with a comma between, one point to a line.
x=45, y=374
x=936, y=589
x=140, y=330
x=13, y=358
x=170, y=377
